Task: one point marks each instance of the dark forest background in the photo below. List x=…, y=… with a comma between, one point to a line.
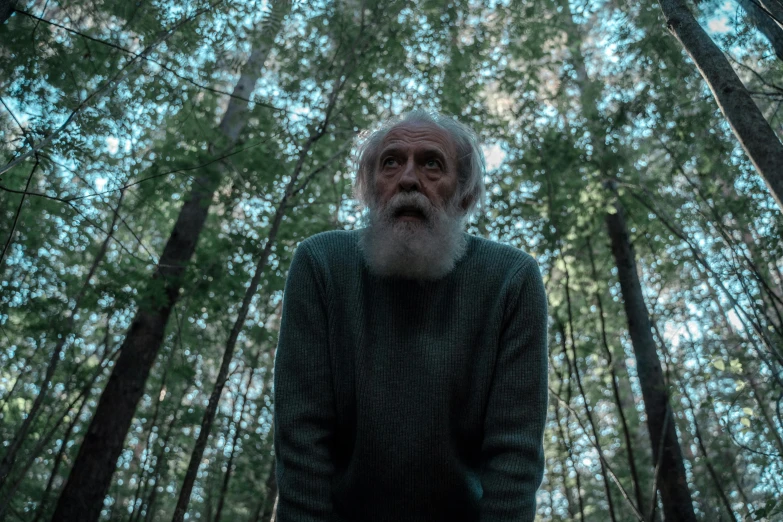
x=161, y=161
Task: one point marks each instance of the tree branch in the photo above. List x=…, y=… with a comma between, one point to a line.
x=19, y=209
x=97, y=94
x=151, y=60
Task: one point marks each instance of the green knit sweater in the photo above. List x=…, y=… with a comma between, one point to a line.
x=400, y=400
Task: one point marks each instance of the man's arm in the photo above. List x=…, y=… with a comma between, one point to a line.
x=512, y=452
x=304, y=413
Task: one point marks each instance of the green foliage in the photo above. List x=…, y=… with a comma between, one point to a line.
x=592, y=106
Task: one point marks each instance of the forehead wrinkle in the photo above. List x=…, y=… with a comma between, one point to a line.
x=403, y=137
x=418, y=132
x=426, y=150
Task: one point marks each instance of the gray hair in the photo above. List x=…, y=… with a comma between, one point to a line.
x=470, y=158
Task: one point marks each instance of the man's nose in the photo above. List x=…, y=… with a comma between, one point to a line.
x=409, y=179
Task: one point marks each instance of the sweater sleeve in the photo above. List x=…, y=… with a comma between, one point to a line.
x=512, y=451
x=304, y=412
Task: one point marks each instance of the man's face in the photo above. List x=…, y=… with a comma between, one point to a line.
x=416, y=157
x=415, y=224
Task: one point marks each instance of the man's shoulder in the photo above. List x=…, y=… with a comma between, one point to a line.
x=329, y=238
x=325, y=246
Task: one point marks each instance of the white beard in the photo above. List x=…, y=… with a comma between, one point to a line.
x=425, y=250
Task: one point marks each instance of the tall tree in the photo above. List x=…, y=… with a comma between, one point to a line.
x=90, y=477
x=228, y=353
x=637, y=487
x=705, y=232
x=669, y=467
x=754, y=133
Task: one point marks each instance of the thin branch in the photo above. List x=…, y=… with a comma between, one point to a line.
x=19, y=210
x=43, y=11
x=21, y=128
x=582, y=390
x=36, y=194
x=766, y=12
x=756, y=74
x=175, y=171
x=325, y=164
x=600, y=455
x=654, y=505
x=159, y=64
x=123, y=187
x=97, y=94
x=123, y=247
x=117, y=216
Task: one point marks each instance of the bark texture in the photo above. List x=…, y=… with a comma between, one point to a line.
x=672, y=481
x=754, y=133
x=90, y=478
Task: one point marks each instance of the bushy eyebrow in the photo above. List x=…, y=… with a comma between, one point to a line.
x=394, y=150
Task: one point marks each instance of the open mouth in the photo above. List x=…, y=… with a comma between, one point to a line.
x=409, y=213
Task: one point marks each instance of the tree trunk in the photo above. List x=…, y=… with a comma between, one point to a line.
x=90, y=478
x=763, y=14
x=159, y=472
x=227, y=475
x=676, y=498
x=228, y=354
x=670, y=469
x=569, y=460
x=57, y=460
x=143, y=478
x=751, y=129
x=564, y=434
x=13, y=487
x=316, y=133
x=67, y=436
x=774, y=9
x=81, y=399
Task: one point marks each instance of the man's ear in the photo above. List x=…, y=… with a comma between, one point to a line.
x=466, y=201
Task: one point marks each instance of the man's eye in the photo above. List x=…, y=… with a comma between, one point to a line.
x=390, y=162
x=433, y=164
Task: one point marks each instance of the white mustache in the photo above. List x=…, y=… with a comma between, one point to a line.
x=399, y=203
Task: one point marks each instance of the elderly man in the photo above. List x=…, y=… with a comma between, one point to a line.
x=411, y=371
